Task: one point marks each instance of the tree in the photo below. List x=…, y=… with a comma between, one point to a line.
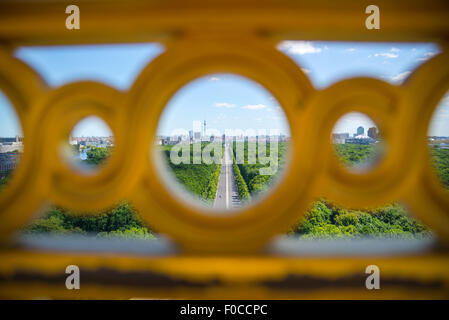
x=96, y=155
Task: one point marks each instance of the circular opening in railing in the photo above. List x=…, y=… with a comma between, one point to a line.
x=89, y=145
x=11, y=140
x=357, y=142
x=223, y=143
x=438, y=141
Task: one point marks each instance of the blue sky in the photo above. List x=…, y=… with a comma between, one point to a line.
x=226, y=101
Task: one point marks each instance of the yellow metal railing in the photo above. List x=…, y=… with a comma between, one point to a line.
x=222, y=253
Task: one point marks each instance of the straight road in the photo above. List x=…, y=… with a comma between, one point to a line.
x=227, y=193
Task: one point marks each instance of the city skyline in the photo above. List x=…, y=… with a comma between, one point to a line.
x=91, y=127
x=225, y=95
x=351, y=121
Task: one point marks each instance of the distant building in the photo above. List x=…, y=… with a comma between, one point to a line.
x=72, y=141
x=175, y=139
x=339, y=138
x=282, y=137
x=197, y=136
x=360, y=131
x=204, y=129
x=360, y=140
x=373, y=133
x=7, y=140
x=11, y=144
x=16, y=139
x=437, y=138
x=8, y=162
x=161, y=140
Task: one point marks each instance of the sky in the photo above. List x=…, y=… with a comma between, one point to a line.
x=225, y=101
x=351, y=121
x=90, y=127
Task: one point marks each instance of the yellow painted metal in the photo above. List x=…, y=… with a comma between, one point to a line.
x=200, y=38
x=39, y=22
x=412, y=276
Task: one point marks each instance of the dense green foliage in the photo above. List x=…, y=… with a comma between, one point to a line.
x=200, y=179
x=97, y=156
x=351, y=154
x=241, y=184
x=322, y=220
x=213, y=183
x=256, y=182
x=325, y=220
x=4, y=179
x=122, y=220
x=441, y=163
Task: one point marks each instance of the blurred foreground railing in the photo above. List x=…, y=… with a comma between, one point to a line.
x=223, y=256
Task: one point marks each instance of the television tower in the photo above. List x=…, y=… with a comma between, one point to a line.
x=204, y=129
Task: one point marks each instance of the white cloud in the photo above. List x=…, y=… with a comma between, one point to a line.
x=298, y=47
x=400, y=77
x=254, y=106
x=277, y=109
x=393, y=53
x=224, y=105
x=214, y=79
x=350, y=50
x=427, y=56
x=388, y=55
